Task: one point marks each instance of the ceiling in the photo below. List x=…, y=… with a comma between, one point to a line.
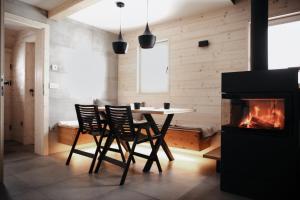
x=105, y=14
x=44, y=4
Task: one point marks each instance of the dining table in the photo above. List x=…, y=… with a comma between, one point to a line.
x=147, y=112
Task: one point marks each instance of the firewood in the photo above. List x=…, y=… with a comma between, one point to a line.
x=259, y=123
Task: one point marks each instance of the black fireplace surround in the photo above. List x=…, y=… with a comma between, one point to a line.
x=260, y=123
x=260, y=161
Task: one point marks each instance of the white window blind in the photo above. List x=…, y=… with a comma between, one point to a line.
x=154, y=69
x=284, y=45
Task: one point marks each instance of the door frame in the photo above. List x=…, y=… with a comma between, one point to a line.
x=41, y=103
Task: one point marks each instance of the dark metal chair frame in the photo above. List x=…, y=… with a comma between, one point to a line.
x=122, y=128
x=91, y=123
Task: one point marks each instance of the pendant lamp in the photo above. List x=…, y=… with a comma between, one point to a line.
x=120, y=46
x=147, y=40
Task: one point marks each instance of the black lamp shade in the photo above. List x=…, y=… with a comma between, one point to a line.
x=147, y=40
x=120, y=46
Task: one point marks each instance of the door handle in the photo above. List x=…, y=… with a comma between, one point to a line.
x=31, y=92
x=7, y=82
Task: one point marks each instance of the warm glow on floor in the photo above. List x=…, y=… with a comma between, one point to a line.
x=183, y=156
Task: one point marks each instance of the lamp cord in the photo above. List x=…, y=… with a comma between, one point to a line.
x=120, y=19
x=147, y=10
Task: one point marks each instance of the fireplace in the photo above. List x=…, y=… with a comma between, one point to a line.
x=260, y=133
x=254, y=113
x=260, y=138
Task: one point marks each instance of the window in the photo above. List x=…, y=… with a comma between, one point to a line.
x=153, y=73
x=284, y=45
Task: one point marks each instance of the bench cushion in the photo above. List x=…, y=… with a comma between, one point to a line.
x=67, y=131
x=68, y=124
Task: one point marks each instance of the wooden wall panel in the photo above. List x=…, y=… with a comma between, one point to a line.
x=195, y=73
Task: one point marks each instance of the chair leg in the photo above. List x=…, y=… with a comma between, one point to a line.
x=120, y=148
x=157, y=162
x=96, y=141
x=108, y=142
x=98, y=149
x=123, y=143
x=128, y=146
x=128, y=163
x=152, y=147
x=73, y=147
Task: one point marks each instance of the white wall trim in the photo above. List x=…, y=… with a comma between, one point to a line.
x=8, y=17
x=41, y=105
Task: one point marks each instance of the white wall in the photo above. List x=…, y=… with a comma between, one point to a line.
x=87, y=69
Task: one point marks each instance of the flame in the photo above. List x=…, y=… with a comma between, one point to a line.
x=264, y=116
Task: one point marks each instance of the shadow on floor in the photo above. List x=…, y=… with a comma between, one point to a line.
x=28, y=176
x=4, y=193
x=12, y=147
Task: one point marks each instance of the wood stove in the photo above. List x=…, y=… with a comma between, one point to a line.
x=260, y=133
x=260, y=123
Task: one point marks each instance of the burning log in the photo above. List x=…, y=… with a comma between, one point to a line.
x=264, y=117
x=259, y=123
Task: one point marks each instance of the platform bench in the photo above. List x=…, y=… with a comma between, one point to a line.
x=187, y=138
x=214, y=154
x=67, y=131
x=177, y=136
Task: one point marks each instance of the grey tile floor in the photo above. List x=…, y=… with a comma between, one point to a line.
x=32, y=177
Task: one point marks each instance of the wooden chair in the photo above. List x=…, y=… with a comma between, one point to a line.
x=122, y=127
x=91, y=123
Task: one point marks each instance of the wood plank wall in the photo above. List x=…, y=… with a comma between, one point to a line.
x=195, y=73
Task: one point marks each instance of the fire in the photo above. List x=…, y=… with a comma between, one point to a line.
x=264, y=116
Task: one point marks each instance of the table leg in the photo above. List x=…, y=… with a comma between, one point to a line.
x=218, y=166
x=160, y=141
x=164, y=130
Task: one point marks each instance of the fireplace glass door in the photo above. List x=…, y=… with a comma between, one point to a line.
x=254, y=113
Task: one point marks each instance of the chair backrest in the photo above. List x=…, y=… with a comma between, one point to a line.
x=88, y=118
x=120, y=120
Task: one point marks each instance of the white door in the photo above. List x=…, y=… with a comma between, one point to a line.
x=1, y=96
x=29, y=93
x=7, y=95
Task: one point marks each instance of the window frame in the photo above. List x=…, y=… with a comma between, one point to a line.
x=139, y=70
x=283, y=19
x=276, y=20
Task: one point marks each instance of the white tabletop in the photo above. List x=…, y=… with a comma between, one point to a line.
x=160, y=111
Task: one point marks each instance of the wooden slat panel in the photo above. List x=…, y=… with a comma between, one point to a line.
x=187, y=139
x=214, y=154
x=195, y=73
x=67, y=136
